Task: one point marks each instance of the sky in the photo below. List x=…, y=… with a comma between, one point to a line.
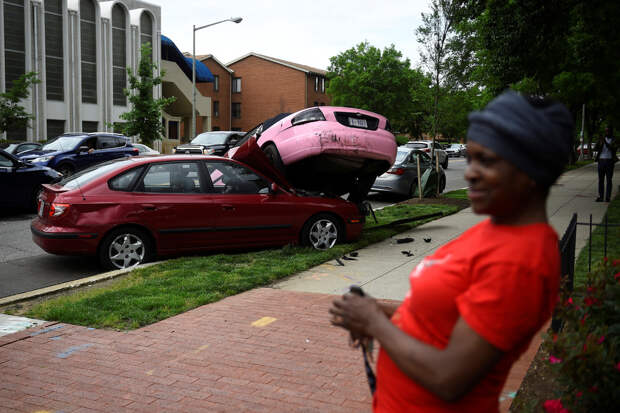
x=304, y=32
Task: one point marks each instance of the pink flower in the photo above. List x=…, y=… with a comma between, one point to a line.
x=617, y=276
x=554, y=360
x=618, y=366
x=605, y=260
x=579, y=394
x=616, y=262
x=601, y=339
x=554, y=406
x=590, y=301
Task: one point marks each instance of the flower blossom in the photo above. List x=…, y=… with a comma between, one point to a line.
x=601, y=339
x=618, y=366
x=555, y=406
x=554, y=360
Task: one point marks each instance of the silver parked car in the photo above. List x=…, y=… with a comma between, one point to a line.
x=425, y=146
x=402, y=178
x=456, y=150
x=145, y=150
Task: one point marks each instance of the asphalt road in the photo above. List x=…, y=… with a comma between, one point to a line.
x=25, y=267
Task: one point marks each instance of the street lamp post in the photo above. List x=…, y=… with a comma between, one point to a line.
x=232, y=19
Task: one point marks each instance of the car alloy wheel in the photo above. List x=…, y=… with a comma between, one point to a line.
x=125, y=248
x=65, y=170
x=321, y=232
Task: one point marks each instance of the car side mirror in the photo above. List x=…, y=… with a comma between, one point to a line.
x=274, y=188
x=83, y=149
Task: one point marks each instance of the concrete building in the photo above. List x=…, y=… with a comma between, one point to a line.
x=264, y=86
x=80, y=50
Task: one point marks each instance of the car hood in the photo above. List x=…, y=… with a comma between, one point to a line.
x=35, y=154
x=249, y=153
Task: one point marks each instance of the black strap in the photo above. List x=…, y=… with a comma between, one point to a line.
x=372, y=379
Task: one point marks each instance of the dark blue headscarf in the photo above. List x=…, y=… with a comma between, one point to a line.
x=536, y=139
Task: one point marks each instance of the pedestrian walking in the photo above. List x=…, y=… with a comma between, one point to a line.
x=475, y=304
x=606, y=157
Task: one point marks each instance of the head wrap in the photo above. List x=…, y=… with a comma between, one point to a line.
x=537, y=139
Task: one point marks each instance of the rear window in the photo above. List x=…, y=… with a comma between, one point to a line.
x=87, y=175
x=416, y=145
x=124, y=181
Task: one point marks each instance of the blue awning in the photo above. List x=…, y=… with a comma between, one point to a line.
x=170, y=52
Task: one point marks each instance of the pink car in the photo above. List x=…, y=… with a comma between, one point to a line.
x=335, y=150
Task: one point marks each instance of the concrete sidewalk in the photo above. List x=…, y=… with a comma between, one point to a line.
x=269, y=349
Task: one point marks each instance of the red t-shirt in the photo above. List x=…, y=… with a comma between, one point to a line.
x=502, y=280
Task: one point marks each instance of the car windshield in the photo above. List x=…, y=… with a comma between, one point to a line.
x=83, y=177
x=210, y=138
x=63, y=143
x=10, y=148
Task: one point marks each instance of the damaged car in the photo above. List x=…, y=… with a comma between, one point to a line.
x=130, y=211
x=328, y=149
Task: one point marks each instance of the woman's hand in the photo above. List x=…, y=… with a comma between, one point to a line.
x=356, y=314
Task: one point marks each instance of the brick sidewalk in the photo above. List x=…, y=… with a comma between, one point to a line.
x=266, y=350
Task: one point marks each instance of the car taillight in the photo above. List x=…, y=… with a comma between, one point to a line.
x=426, y=149
x=396, y=171
x=136, y=151
x=311, y=115
x=58, y=209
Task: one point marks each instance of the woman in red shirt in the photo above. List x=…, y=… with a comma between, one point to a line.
x=475, y=304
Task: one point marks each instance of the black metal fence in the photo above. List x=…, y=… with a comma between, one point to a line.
x=567, y=254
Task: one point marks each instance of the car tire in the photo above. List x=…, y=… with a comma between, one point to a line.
x=321, y=232
x=445, y=164
x=442, y=184
x=35, y=198
x=66, y=170
x=124, y=248
x=273, y=155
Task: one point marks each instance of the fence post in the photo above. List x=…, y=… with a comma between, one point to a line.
x=590, y=246
x=605, y=241
x=567, y=257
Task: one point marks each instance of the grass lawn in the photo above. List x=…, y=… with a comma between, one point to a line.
x=147, y=295
x=578, y=164
x=598, y=241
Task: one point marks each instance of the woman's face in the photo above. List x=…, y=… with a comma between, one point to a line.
x=496, y=186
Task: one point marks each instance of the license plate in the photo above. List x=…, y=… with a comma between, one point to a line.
x=358, y=123
x=41, y=207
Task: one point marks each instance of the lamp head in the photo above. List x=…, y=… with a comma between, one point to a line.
x=236, y=19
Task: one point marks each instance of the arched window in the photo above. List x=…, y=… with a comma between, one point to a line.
x=88, y=41
x=14, y=41
x=119, y=55
x=54, y=70
x=146, y=28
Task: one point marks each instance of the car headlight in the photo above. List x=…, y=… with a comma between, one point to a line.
x=43, y=159
x=208, y=151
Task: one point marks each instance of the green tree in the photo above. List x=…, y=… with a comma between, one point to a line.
x=365, y=77
x=144, y=118
x=12, y=113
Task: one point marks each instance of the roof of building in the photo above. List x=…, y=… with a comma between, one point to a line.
x=204, y=57
x=296, y=66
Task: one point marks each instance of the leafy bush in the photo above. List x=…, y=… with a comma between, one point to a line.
x=585, y=354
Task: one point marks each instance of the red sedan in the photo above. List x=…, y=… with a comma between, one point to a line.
x=126, y=212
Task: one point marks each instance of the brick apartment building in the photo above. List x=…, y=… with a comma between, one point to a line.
x=264, y=86
x=219, y=91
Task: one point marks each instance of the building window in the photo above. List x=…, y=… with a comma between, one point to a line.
x=216, y=83
x=55, y=128
x=14, y=41
x=316, y=84
x=316, y=103
x=119, y=56
x=54, y=70
x=89, y=126
x=216, y=128
x=146, y=28
x=88, y=50
x=236, y=110
x=216, y=109
x=236, y=85
x=322, y=85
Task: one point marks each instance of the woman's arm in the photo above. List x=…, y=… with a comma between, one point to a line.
x=447, y=373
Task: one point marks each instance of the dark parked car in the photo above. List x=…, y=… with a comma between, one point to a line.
x=72, y=152
x=210, y=143
x=21, y=147
x=402, y=178
x=20, y=182
x=128, y=211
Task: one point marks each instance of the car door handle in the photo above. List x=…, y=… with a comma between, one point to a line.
x=149, y=207
x=228, y=207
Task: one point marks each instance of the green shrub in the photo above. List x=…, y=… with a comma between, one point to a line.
x=585, y=354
